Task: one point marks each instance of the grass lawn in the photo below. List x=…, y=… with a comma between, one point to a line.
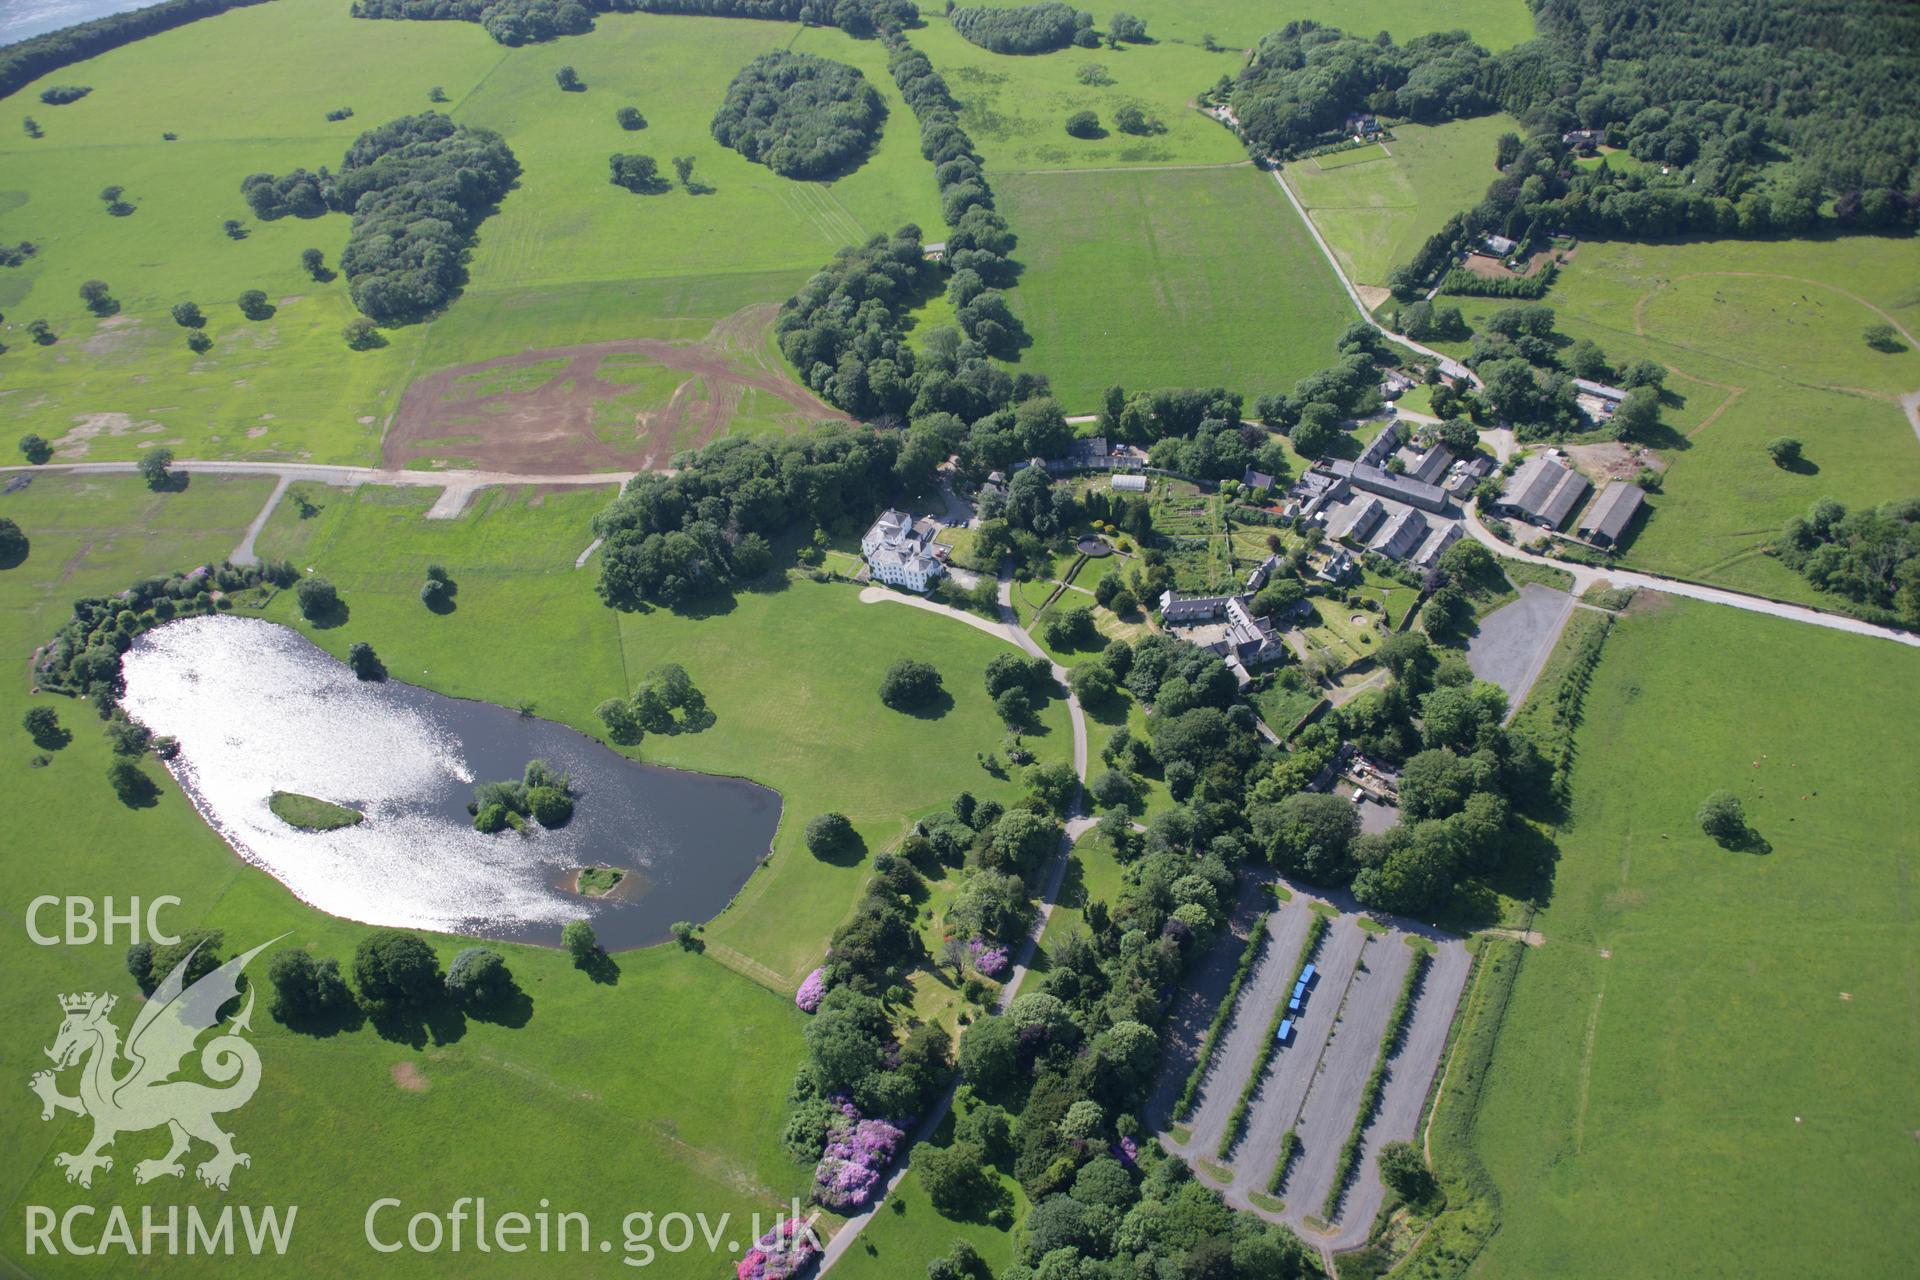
x=1336, y=631
x=1713, y=1065
x=674, y=1075
x=568, y=258
x=1377, y=206
x=1194, y=278
x=1417, y=400
x=1282, y=707
x=1617, y=160
x=899, y=1242
x=1351, y=156
x=1395, y=596
x=1093, y=875
x=781, y=670
x=1763, y=339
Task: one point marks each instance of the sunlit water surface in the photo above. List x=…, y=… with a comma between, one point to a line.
x=258, y=708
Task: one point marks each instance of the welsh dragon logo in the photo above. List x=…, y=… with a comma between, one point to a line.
x=145, y=1095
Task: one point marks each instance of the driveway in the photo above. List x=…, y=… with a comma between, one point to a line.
x=1514, y=641
x=1585, y=576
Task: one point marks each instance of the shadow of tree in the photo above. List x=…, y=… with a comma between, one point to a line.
x=132, y=785
x=327, y=619
x=512, y=1008
x=342, y=1017
x=603, y=969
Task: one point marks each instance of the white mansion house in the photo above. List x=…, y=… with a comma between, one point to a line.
x=901, y=552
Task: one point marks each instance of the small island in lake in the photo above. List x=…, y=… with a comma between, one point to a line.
x=311, y=814
x=597, y=882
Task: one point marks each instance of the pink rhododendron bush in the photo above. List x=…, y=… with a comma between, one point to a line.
x=989, y=962
x=785, y=1251
x=811, y=991
x=852, y=1171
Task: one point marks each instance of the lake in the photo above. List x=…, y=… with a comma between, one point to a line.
x=258, y=708
x=22, y=18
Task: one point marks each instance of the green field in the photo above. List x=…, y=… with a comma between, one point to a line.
x=1377, y=206
x=568, y=258
x=1764, y=339
x=1715, y=1056
x=1015, y=108
x=1240, y=23
x=663, y=1089
x=1194, y=278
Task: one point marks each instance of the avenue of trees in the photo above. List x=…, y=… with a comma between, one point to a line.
x=417, y=188
x=978, y=238
x=801, y=116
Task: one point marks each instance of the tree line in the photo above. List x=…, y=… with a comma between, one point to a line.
x=417, y=188
x=671, y=538
x=515, y=22
x=978, y=238
x=27, y=61
x=799, y=115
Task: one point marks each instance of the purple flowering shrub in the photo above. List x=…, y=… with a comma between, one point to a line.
x=782, y=1252
x=851, y=1171
x=989, y=962
x=811, y=991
